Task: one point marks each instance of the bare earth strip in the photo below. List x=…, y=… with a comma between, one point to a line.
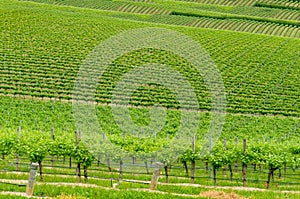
x=53, y=99
x=19, y=194
x=160, y=183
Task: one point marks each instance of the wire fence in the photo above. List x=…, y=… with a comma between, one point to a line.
x=135, y=171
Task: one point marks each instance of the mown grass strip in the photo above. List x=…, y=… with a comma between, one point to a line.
x=265, y=5
x=239, y=17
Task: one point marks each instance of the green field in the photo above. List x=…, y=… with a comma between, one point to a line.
x=254, y=46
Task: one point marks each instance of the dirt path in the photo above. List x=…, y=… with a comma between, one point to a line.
x=212, y=187
x=81, y=185
x=160, y=183
x=46, y=99
x=19, y=194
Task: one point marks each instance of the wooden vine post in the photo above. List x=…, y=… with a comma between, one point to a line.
x=271, y=173
x=147, y=167
x=32, y=178
x=78, y=164
x=244, y=169
x=52, y=137
x=215, y=176
x=193, y=161
x=108, y=159
x=17, y=156
x=85, y=173
x=70, y=163
x=121, y=169
x=210, y=152
x=225, y=147
x=206, y=167
x=236, y=163
x=98, y=161
x=167, y=173
x=157, y=170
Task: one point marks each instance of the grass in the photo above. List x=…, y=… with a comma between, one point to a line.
x=69, y=48
x=42, y=54
x=127, y=190
x=130, y=189
x=102, y=177
x=194, y=10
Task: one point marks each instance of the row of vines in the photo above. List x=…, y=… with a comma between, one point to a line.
x=163, y=13
x=273, y=156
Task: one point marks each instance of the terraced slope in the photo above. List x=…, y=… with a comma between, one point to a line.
x=260, y=73
x=291, y=3
x=43, y=47
x=237, y=16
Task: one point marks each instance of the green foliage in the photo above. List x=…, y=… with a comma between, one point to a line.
x=295, y=149
x=35, y=147
x=82, y=155
x=62, y=147
x=217, y=158
x=189, y=155
x=222, y=17
x=6, y=145
x=260, y=74
x=265, y=5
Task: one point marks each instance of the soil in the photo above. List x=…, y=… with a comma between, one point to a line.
x=221, y=194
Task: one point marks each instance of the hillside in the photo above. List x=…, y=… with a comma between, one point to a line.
x=253, y=45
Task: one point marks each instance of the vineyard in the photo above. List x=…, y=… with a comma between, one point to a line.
x=272, y=21
x=253, y=44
